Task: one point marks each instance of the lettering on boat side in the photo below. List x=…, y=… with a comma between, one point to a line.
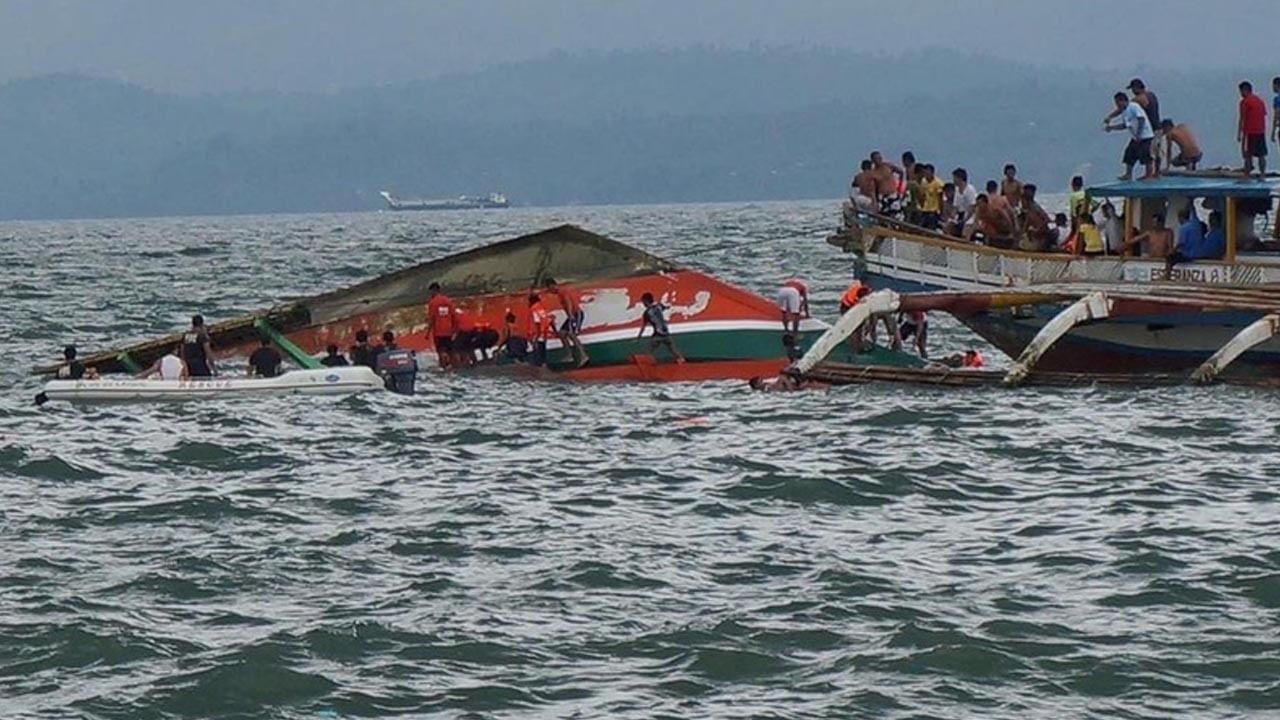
x=1204, y=275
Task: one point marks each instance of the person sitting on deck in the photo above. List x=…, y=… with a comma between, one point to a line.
x=333, y=358
x=73, y=369
x=1133, y=118
x=169, y=366
x=362, y=353
x=1192, y=242
x=993, y=226
x=654, y=315
x=1061, y=232
x=1159, y=239
x=264, y=361
x=1215, y=241
x=793, y=300
x=1189, y=152
x=1040, y=236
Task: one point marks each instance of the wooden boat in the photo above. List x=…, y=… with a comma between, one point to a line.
x=326, y=381
x=1157, y=336
x=723, y=331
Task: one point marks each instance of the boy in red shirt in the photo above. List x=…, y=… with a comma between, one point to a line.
x=1252, y=130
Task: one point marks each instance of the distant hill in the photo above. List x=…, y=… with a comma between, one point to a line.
x=692, y=125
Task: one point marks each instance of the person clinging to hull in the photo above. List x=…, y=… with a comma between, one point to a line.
x=571, y=328
x=541, y=329
x=655, y=316
x=196, y=350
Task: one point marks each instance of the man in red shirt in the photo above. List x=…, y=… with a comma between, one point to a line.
x=1252, y=130
x=442, y=323
x=572, y=326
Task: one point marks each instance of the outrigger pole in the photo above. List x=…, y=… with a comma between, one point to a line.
x=1256, y=333
x=1094, y=306
x=881, y=301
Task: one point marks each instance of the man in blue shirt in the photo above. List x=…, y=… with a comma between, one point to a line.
x=1190, y=242
x=1215, y=243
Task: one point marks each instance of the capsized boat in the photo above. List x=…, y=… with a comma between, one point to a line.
x=1151, y=331
x=325, y=381
x=723, y=331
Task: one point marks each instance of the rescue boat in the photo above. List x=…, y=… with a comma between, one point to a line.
x=324, y=381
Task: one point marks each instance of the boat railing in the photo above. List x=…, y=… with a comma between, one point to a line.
x=951, y=263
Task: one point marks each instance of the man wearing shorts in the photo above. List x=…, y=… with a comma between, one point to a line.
x=442, y=324
x=793, y=300
x=1252, y=130
x=571, y=328
x=1134, y=119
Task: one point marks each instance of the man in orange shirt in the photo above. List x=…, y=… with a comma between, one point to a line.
x=572, y=326
x=442, y=324
x=541, y=328
x=1251, y=132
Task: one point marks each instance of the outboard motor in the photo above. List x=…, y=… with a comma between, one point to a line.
x=399, y=370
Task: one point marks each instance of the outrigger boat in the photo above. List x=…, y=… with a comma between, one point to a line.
x=1160, y=319
x=325, y=381
x=723, y=331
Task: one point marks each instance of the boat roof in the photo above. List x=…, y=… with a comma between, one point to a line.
x=1188, y=186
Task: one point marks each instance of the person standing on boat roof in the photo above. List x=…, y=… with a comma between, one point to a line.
x=333, y=358
x=362, y=353
x=1189, y=153
x=571, y=328
x=442, y=324
x=793, y=301
x=1252, y=130
x=1133, y=118
x=168, y=366
x=265, y=361
x=73, y=369
x=197, y=350
x=655, y=316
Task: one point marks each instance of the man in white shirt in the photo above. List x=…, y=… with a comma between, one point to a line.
x=966, y=197
x=1134, y=118
x=168, y=367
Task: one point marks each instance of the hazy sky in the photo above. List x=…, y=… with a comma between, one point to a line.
x=223, y=45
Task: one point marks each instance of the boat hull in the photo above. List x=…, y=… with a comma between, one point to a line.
x=328, y=381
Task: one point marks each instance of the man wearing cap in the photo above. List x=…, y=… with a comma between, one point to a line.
x=1150, y=105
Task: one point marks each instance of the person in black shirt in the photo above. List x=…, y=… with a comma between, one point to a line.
x=333, y=359
x=362, y=353
x=74, y=369
x=265, y=361
x=197, y=350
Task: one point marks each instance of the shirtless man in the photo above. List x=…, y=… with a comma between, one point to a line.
x=886, y=185
x=1159, y=239
x=1189, y=153
x=994, y=223
x=1040, y=234
x=1011, y=187
x=862, y=192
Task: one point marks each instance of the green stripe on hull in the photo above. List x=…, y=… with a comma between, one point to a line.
x=712, y=345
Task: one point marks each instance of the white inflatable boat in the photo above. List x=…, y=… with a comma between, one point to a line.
x=325, y=381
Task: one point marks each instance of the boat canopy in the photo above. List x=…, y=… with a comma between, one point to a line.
x=1185, y=186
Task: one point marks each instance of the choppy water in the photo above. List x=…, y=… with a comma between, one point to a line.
x=498, y=549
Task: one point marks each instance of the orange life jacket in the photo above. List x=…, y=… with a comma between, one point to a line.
x=850, y=296
x=973, y=361
x=541, y=325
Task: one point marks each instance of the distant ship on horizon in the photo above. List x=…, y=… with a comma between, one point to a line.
x=462, y=202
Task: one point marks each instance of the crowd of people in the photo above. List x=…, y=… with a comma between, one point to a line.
x=1008, y=214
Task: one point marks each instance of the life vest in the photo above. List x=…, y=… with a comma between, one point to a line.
x=852, y=296
x=540, y=325
x=973, y=360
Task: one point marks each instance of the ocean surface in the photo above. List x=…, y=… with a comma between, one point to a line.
x=500, y=549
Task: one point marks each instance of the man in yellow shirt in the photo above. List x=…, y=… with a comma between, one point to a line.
x=931, y=199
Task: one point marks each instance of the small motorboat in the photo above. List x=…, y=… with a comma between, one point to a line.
x=324, y=381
